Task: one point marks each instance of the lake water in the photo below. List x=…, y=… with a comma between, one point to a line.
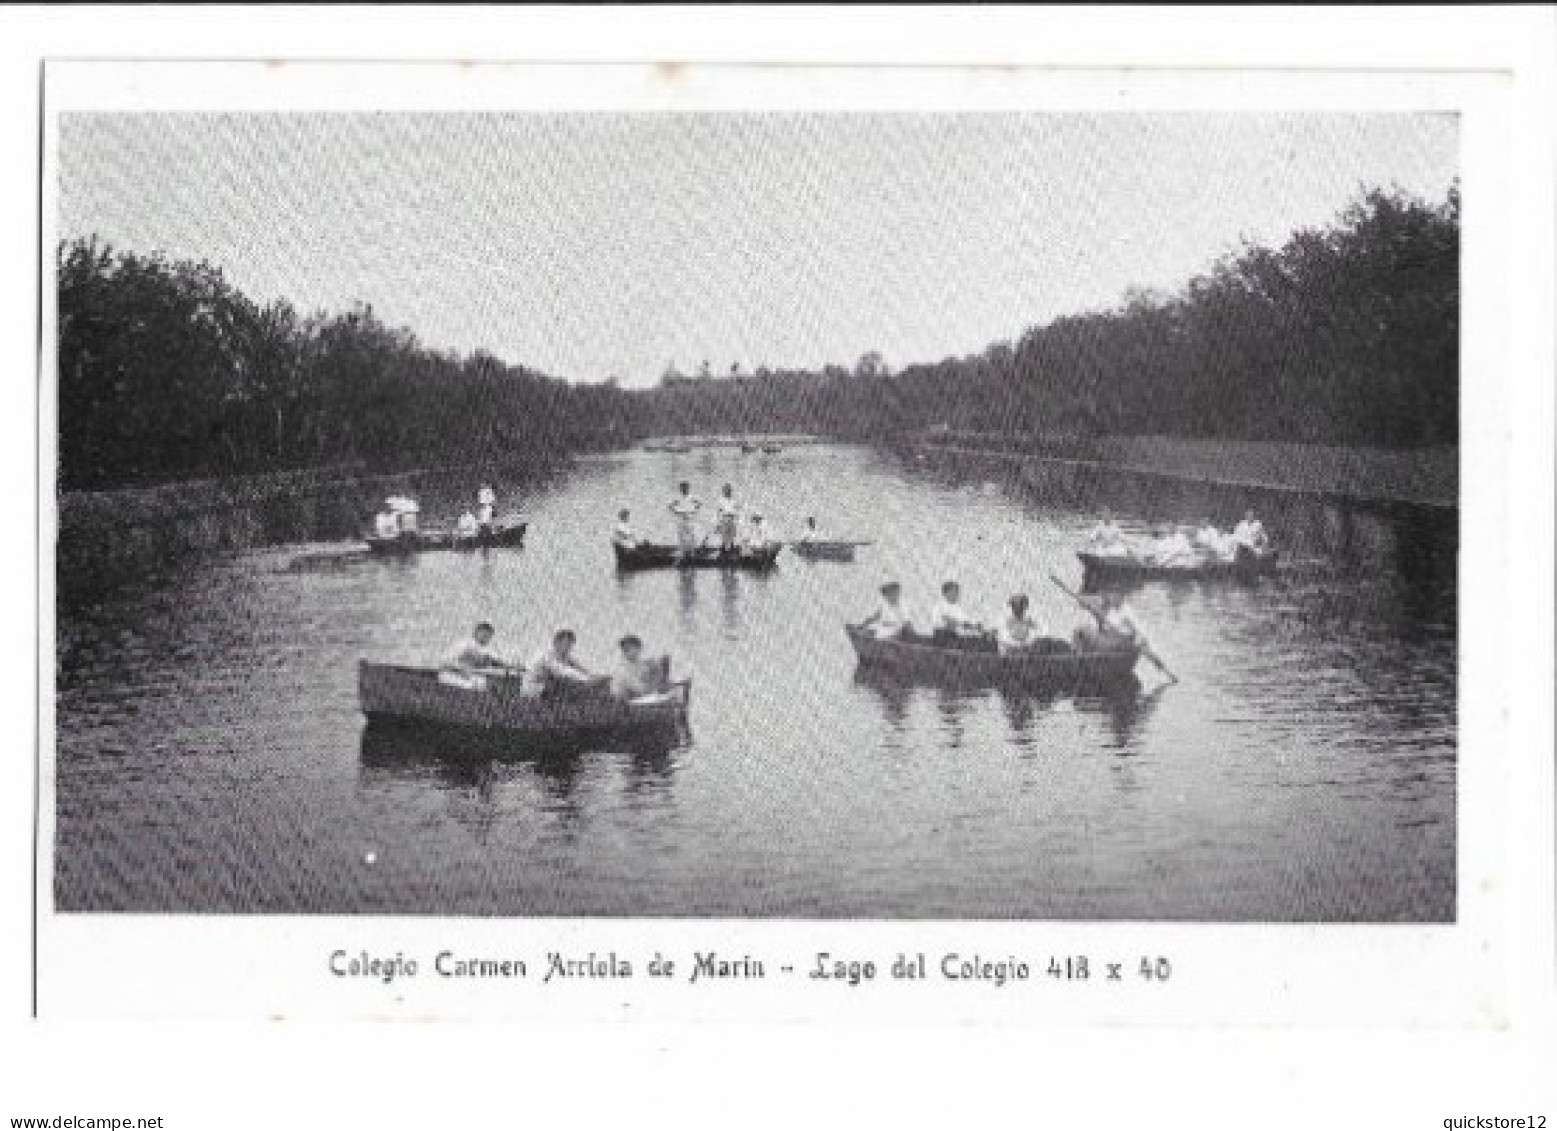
x=212, y=756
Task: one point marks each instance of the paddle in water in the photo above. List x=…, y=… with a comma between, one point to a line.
x=1137, y=638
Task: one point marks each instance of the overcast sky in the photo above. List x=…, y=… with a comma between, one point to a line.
x=607, y=244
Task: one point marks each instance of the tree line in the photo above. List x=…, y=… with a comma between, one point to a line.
x=166, y=371
x=1347, y=333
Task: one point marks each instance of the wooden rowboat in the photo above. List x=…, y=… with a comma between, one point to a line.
x=820, y=551
x=649, y=555
x=1102, y=569
x=495, y=705
x=1061, y=667
x=503, y=534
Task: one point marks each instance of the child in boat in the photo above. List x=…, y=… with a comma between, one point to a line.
x=890, y=621
x=555, y=674
x=636, y=678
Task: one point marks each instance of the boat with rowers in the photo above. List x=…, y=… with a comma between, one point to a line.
x=508, y=534
x=821, y=550
x=497, y=705
x=1054, y=663
x=1244, y=564
x=651, y=555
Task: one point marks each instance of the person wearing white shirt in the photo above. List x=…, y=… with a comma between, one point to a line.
x=948, y=615
x=1211, y=541
x=623, y=534
x=890, y=620
x=473, y=653
x=467, y=529
x=1251, y=533
x=685, y=507
x=1107, y=538
x=637, y=678
x=727, y=518
x=1118, y=627
x=555, y=674
x=386, y=525
x=1018, y=631
x=1174, y=549
x=757, y=535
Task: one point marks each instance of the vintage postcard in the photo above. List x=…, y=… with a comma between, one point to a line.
x=698, y=542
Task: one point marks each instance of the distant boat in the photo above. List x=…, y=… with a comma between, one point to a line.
x=648, y=555
x=508, y=535
x=817, y=550
x=771, y=449
x=1105, y=569
x=747, y=449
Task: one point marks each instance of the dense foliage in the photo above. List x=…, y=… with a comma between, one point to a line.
x=1348, y=334
x=166, y=371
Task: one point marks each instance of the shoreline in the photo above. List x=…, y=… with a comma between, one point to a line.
x=1370, y=478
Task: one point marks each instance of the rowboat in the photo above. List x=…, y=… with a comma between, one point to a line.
x=502, y=534
x=821, y=551
x=771, y=449
x=1101, y=569
x=495, y=706
x=1058, y=666
x=649, y=555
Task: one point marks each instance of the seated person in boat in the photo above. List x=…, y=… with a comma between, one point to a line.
x=1018, y=632
x=1212, y=542
x=473, y=654
x=685, y=507
x=386, y=525
x=1117, y=629
x=555, y=674
x=727, y=519
x=405, y=510
x=622, y=534
x=467, y=529
x=951, y=626
x=1250, y=533
x=1175, y=549
x=638, y=677
x=486, y=508
x=1107, y=538
x=757, y=538
x=890, y=621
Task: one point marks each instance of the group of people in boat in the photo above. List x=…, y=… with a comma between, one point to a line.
x=1181, y=545
x=731, y=532
x=398, y=518
x=1115, y=626
x=555, y=671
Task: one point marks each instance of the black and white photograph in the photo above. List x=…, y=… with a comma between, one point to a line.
x=747, y=515
x=790, y=566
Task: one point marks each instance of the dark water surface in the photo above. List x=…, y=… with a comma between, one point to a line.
x=212, y=757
